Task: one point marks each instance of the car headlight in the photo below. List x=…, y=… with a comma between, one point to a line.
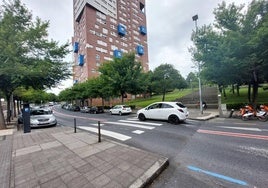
x=53, y=119
x=33, y=121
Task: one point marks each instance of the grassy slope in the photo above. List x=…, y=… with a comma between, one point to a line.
x=230, y=99
x=171, y=96
x=243, y=98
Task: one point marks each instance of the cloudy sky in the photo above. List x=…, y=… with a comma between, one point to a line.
x=169, y=27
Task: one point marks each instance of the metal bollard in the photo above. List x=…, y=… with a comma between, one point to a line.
x=231, y=113
x=99, y=133
x=74, y=125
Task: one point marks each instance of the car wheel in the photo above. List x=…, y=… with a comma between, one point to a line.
x=142, y=117
x=173, y=119
x=263, y=118
x=111, y=113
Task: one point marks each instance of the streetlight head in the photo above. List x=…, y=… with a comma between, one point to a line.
x=195, y=17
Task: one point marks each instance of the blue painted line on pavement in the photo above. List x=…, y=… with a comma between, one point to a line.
x=217, y=175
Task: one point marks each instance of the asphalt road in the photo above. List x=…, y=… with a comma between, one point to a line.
x=215, y=153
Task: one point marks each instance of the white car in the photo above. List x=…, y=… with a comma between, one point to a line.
x=173, y=112
x=120, y=109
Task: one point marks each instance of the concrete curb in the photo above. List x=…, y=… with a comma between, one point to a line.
x=150, y=175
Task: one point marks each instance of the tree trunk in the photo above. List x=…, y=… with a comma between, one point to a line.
x=224, y=92
x=122, y=98
x=2, y=118
x=164, y=94
x=249, y=93
x=237, y=90
x=9, y=113
x=233, y=89
x=102, y=102
x=255, y=86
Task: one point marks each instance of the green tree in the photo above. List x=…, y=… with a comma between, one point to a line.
x=192, y=80
x=27, y=57
x=66, y=95
x=232, y=51
x=122, y=75
x=166, y=78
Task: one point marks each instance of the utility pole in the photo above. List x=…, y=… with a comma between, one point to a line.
x=195, y=18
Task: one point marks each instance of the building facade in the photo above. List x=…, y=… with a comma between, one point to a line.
x=104, y=29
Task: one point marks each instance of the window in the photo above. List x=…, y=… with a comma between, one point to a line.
x=155, y=106
x=117, y=53
x=142, y=7
x=81, y=60
x=143, y=30
x=105, y=31
x=140, y=50
x=76, y=47
x=121, y=30
x=166, y=106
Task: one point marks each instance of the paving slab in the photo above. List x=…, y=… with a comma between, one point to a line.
x=58, y=157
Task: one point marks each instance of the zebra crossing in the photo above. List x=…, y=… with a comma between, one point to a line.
x=140, y=128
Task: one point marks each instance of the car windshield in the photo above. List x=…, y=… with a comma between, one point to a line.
x=40, y=112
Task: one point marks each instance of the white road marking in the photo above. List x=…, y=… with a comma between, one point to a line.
x=130, y=125
x=254, y=151
x=115, y=135
x=95, y=124
x=138, y=132
x=242, y=128
x=140, y=122
x=245, y=123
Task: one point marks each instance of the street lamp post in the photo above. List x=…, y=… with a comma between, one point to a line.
x=166, y=75
x=195, y=18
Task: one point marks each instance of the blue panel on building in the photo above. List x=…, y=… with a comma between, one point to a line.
x=140, y=50
x=76, y=47
x=143, y=30
x=81, y=60
x=118, y=53
x=121, y=30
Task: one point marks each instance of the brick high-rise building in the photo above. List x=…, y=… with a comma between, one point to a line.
x=104, y=29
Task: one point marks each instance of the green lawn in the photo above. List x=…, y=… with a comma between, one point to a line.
x=243, y=97
x=171, y=96
x=231, y=99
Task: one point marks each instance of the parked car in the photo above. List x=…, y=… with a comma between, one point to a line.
x=120, y=109
x=40, y=117
x=173, y=112
x=96, y=110
x=74, y=108
x=85, y=109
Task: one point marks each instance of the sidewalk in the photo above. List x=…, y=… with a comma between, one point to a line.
x=195, y=114
x=58, y=157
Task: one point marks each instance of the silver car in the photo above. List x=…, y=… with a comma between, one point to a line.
x=42, y=117
x=173, y=112
x=120, y=109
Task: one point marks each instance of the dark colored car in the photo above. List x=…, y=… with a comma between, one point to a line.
x=74, y=108
x=96, y=110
